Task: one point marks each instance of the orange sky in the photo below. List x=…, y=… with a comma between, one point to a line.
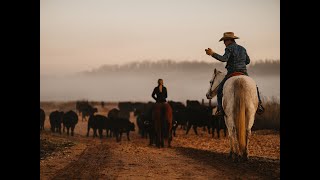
x=79, y=35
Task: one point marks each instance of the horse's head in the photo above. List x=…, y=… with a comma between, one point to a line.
x=217, y=77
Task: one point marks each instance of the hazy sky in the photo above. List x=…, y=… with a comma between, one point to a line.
x=79, y=35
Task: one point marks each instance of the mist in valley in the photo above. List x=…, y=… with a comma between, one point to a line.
x=135, y=81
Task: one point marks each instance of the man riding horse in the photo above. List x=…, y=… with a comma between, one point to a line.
x=237, y=58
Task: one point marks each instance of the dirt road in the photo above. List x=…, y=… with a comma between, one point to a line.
x=191, y=157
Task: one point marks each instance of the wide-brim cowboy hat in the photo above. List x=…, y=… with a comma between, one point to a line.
x=228, y=35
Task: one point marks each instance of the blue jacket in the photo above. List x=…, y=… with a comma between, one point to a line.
x=236, y=57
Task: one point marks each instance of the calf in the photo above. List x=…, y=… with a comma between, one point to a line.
x=150, y=130
x=218, y=123
x=122, y=125
x=174, y=126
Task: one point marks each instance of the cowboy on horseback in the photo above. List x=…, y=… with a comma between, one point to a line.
x=237, y=58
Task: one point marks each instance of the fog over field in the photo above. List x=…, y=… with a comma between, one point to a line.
x=135, y=81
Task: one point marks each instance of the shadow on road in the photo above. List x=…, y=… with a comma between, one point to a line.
x=256, y=166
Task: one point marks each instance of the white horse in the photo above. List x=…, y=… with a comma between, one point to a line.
x=240, y=102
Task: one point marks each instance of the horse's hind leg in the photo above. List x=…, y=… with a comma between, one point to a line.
x=162, y=139
x=170, y=138
x=157, y=138
x=245, y=153
x=232, y=148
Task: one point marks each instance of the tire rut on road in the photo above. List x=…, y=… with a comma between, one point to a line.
x=92, y=160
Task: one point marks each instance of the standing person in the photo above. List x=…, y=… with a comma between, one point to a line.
x=237, y=58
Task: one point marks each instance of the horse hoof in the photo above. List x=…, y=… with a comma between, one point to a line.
x=245, y=157
x=234, y=158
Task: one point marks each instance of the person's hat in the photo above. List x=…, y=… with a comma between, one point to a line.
x=228, y=35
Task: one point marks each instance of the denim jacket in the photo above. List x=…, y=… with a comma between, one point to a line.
x=236, y=57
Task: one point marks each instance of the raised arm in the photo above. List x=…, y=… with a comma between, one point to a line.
x=223, y=58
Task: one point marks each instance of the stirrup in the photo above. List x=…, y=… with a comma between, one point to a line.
x=260, y=109
x=219, y=113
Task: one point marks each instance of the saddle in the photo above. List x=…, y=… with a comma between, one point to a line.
x=237, y=73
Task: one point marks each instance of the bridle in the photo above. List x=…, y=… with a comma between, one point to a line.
x=211, y=83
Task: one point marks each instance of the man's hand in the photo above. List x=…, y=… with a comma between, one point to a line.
x=209, y=52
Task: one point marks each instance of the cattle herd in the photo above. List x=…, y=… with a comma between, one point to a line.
x=117, y=121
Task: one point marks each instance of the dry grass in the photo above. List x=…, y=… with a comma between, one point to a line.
x=270, y=119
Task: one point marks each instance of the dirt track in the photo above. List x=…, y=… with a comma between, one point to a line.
x=191, y=157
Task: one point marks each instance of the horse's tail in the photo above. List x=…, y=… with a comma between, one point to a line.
x=240, y=120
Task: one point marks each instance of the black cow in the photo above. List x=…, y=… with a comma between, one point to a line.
x=144, y=121
x=42, y=118
x=126, y=106
x=198, y=116
x=92, y=122
x=70, y=119
x=180, y=116
x=138, y=106
x=80, y=105
x=55, y=118
x=122, y=125
x=218, y=123
x=149, y=129
x=87, y=110
x=97, y=122
x=84, y=109
x=113, y=115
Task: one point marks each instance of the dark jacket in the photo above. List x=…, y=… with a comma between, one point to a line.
x=236, y=57
x=161, y=96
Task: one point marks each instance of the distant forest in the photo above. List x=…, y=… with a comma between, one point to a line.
x=266, y=67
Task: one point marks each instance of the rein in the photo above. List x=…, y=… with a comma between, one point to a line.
x=211, y=82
